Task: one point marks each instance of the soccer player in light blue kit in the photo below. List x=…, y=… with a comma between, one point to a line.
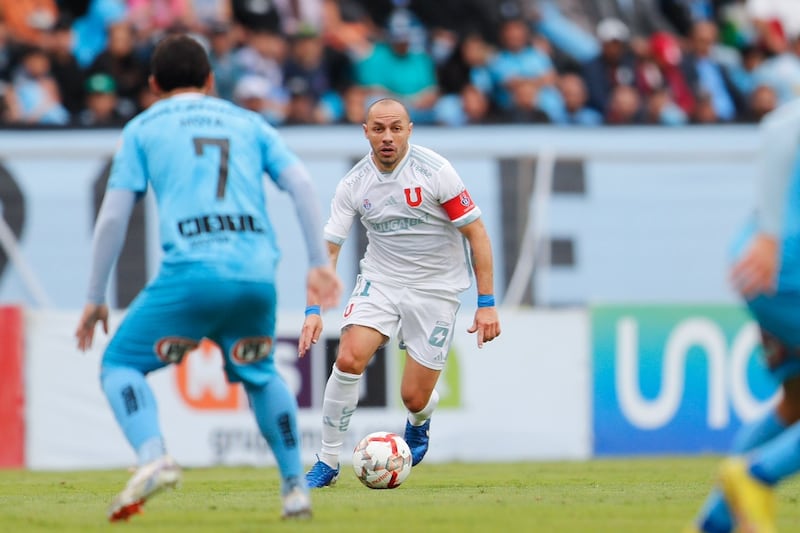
x=767, y=274
x=205, y=160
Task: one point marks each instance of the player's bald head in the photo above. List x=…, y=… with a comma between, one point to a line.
x=388, y=106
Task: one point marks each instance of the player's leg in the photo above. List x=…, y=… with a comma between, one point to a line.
x=357, y=345
x=421, y=399
x=776, y=313
x=153, y=334
x=370, y=318
x=427, y=322
x=246, y=335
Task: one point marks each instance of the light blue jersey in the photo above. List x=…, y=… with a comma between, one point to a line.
x=778, y=211
x=205, y=159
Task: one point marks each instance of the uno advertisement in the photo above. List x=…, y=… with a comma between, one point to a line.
x=674, y=379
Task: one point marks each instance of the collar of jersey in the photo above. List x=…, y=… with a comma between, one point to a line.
x=382, y=176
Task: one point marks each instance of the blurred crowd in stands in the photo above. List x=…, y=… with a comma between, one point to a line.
x=453, y=62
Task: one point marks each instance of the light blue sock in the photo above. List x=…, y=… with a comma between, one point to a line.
x=275, y=409
x=134, y=407
x=779, y=458
x=715, y=517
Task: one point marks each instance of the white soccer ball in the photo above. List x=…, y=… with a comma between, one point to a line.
x=382, y=460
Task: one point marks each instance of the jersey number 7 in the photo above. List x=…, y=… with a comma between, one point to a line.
x=224, y=146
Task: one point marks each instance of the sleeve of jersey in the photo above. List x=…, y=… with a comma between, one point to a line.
x=456, y=200
x=276, y=154
x=776, y=169
x=342, y=215
x=128, y=169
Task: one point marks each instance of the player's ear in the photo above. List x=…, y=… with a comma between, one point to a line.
x=209, y=86
x=364, y=125
x=151, y=80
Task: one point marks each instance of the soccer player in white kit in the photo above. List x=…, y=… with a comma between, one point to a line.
x=425, y=238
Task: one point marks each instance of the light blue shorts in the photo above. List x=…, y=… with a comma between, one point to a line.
x=778, y=317
x=172, y=314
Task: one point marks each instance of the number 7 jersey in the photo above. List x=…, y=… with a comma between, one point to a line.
x=205, y=159
x=411, y=216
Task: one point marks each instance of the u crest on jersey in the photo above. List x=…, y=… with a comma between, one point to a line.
x=416, y=200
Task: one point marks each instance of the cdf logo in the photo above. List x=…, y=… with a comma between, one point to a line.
x=672, y=379
x=201, y=383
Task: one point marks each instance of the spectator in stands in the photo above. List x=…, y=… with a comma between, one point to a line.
x=65, y=69
x=518, y=62
x=263, y=55
x=256, y=16
x=35, y=98
x=394, y=68
x=258, y=94
x=624, y=106
x=121, y=60
x=682, y=15
x=152, y=18
x=299, y=15
x=8, y=51
x=663, y=69
x=776, y=22
x=614, y=66
x=102, y=105
x=354, y=100
x=660, y=109
x=706, y=75
x=742, y=74
x=29, y=21
x=782, y=72
x=762, y=100
x=567, y=36
x=307, y=76
x=91, y=28
x=221, y=50
x=575, y=96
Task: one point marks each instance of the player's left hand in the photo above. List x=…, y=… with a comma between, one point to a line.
x=312, y=329
x=92, y=314
x=486, y=323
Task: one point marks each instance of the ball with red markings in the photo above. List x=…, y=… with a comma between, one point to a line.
x=382, y=460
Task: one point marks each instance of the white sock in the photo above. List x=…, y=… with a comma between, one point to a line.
x=420, y=417
x=338, y=405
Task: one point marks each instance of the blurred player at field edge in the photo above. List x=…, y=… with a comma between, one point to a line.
x=205, y=160
x=767, y=274
x=425, y=235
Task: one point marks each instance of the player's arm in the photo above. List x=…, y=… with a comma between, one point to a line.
x=322, y=282
x=127, y=183
x=756, y=271
x=109, y=237
x=486, y=323
x=312, y=325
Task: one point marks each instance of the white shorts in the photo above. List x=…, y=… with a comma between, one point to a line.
x=422, y=319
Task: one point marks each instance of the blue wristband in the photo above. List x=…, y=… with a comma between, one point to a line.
x=486, y=300
x=312, y=310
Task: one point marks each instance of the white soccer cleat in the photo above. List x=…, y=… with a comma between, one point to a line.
x=147, y=481
x=296, y=504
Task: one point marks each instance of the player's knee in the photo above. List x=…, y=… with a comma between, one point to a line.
x=350, y=363
x=414, y=401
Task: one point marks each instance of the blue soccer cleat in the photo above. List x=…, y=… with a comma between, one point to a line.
x=417, y=438
x=321, y=475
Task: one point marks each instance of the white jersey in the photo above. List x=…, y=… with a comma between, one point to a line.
x=412, y=216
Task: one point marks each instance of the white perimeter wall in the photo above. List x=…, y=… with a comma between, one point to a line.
x=524, y=396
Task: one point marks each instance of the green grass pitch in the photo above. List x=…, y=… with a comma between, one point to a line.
x=619, y=495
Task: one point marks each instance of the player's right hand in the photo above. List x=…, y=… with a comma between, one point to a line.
x=324, y=286
x=92, y=314
x=312, y=329
x=756, y=272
